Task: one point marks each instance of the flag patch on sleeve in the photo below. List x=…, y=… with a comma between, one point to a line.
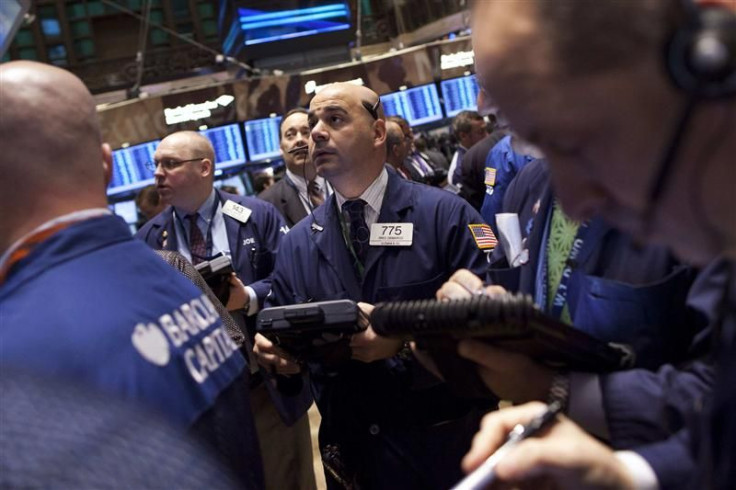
x=490, y=176
x=483, y=236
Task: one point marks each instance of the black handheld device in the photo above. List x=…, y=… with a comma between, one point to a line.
x=216, y=273
x=318, y=331
x=510, y=321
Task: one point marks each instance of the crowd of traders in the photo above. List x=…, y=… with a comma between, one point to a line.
x=89, y=310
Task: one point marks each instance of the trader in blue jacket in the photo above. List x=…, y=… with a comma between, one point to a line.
x=639, y=130
x=617, y=291
x=81, y=299
x=386, y=422
x=202, y=222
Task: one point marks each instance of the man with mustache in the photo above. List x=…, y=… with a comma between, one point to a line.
x=301, y=189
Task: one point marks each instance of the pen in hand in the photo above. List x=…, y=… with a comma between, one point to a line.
x=484, y=475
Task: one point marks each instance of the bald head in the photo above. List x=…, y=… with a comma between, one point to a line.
x=188, y=184
x=348, y=136
x=52, y=146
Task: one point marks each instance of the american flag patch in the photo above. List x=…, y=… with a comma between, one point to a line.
x=483, y=236
x=490, y=176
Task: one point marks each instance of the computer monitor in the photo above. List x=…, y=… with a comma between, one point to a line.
x=126, y=210
x=262, y=138
x=228, y=144
x=129, y=171
x=234, y=181
x=460, y=94
x=418, y=105
x=12, y=13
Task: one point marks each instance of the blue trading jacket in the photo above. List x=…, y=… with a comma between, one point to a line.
x=502, y=165
x=93, y=305
x=386, y=425
x=253, y=244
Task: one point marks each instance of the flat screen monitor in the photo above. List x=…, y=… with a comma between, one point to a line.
x=228, y=144
x=11, y=17
x=262, y=138
x=126, y=210
x=460, y=94
x=271, y=21
x=234, y=181
x=129, y=170
x=418, y=105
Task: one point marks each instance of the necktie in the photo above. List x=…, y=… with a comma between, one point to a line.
x=359, y=234
x=423, y=167
x=197, y=247
x=315, y=193
x=562, y=232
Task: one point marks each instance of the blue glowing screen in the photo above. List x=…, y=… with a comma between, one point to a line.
x=129, y=170
x=460, y=94
x=268, y=25
x=228, y=145
x=418, y=105
x=262, y=138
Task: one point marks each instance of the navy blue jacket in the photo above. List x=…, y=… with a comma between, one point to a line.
x=263, y=232
x=265, y=225
x=619, y=291
x=95, y=306
x=386, y=415
x=502, y=165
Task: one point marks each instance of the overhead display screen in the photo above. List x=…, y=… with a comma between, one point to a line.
x=274, y=21
x=262, y=138
x=129, y=170
x=460, y=94
x=418, y=105
x=228, y=144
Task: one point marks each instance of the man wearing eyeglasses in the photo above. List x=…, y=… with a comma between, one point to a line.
x=202, y=222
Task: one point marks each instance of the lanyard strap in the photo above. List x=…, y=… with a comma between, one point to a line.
x=560, y=298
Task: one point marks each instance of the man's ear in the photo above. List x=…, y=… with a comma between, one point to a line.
x=208, y=168
x=107, y=163
x=379, y=132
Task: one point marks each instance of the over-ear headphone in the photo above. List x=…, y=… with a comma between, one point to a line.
x=701, y=55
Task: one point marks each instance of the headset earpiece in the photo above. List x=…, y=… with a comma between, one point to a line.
x=701, y=56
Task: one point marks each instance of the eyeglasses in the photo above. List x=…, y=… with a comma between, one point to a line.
x=169, y=164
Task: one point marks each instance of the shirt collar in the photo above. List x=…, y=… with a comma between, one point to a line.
x=373, y=195
x=301, y=184
x=205, y=210
x=75, y=216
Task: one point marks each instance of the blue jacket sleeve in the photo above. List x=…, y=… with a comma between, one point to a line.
x=272, y=228
x=643, y=406
x=671, y=461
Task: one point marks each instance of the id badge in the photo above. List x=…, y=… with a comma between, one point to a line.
x=392, y=234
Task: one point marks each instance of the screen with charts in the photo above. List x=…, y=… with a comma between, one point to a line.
x=262, y=138
x=234, y=181
x=228, y=145
x=460, y=94
x=129, y=170
x=418, y=105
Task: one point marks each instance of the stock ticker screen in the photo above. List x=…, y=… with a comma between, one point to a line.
x=262, y=138
x=228, y=144
x=129, y=170
x=418, y=105
x=460, y=94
